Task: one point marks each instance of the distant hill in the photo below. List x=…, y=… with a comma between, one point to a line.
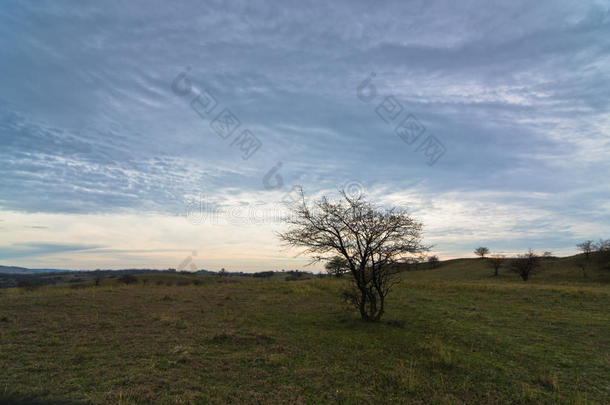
x=553, y=269
x=556, y=269
x=12, y=276
x=24, y=270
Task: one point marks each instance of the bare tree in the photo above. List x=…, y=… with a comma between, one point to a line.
x=525, y=264
x=370, y=239
x=603, y=244
x=602, y=250
x=481, y=251
x=337, y=266
x=586, y=247
x=495, y=262
x=434, y=261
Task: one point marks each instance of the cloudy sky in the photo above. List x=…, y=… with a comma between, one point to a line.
x=160, y=134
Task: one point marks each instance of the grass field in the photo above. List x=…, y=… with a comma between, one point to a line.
x=453, y=335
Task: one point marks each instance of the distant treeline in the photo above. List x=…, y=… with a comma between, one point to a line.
x=31, y=280
x=8, y=280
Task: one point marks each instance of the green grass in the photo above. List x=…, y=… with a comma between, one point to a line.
x=447, y=338
x=552, y=270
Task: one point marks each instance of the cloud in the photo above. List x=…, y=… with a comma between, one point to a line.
x=516, y=93
x=35, y=249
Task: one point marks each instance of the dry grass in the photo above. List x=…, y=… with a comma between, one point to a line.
x=250, y=341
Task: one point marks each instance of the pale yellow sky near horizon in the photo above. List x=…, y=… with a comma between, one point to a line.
x=242, y=238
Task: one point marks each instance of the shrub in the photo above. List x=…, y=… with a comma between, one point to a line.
x=496, y=262
x=29, y=285
x=602, y=250
x=434, y=261
x=263, y=274
x=525, y=264
x=128, y=279
x=337, y=266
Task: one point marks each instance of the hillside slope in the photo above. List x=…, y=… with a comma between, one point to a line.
x=559, y=270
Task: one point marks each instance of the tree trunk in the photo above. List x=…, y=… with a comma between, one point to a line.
x=371, y=305
x=362, y=305
x=381, y=305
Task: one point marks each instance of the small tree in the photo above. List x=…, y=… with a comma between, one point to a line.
x=222, y=272
x=586, y=247
x=434, y=261
x=481, y=251
x=97, y=280
x=370, y=239
x=525, y=264
x=495, y=261
x=337, y=266
x=602, y=250
x=602, y=245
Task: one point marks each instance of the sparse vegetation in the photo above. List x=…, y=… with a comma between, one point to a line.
x=337, y=266
x=602, y=250
x=263, y=274
x=496, y=261
x=481, y=252
x=433, y=261
x=371, y=240
x=525, y=265
x=586, y=247
x=29, y=284
x=449, y=338
x=128, y=279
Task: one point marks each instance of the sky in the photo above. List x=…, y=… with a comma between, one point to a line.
x=170, y=134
